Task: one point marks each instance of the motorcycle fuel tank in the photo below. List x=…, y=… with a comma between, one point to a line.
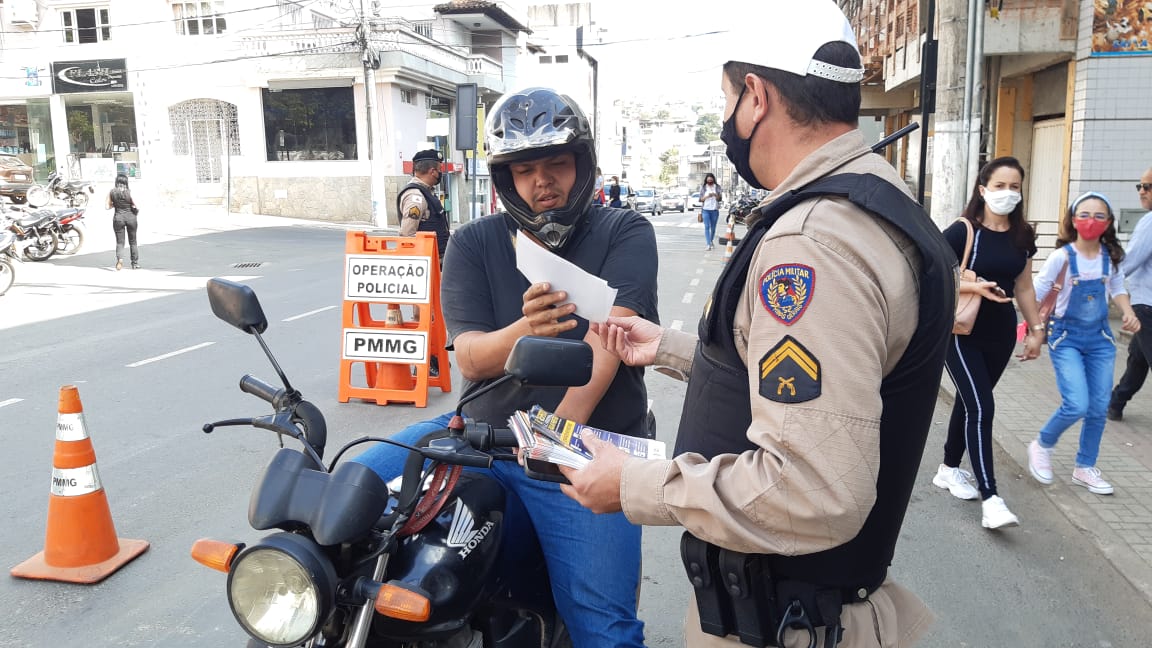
x=452, y=559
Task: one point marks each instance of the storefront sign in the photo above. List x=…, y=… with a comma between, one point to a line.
x=89, y=76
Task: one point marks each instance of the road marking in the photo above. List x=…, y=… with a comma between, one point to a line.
x=688, y=298
x=311, y=312
x=10, y=401
x=677, y=325
x=699, y=270
x=169, y=355
x=694, y=282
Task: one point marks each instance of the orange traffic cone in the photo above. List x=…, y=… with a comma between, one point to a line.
x=81, y=544
x=388, y=375
x=729, y=247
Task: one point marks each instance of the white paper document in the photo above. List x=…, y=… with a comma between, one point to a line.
x=591, y=294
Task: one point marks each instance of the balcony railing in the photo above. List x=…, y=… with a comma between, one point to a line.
x=390, y=35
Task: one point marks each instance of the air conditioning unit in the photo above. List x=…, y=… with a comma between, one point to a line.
x=23, y=13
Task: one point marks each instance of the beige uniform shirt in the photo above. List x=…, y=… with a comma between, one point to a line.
x=413, y=209
x=811, y=482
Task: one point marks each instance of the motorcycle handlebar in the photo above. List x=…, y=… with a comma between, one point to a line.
x=250, y=384
x=503, y=438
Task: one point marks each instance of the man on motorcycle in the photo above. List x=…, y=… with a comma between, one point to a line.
x=543, y=162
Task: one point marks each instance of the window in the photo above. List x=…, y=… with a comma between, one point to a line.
x=309, y=124
x=408, y=96
x=85, y=25
x=561, y=58
x=195, y=18
x=545, y=59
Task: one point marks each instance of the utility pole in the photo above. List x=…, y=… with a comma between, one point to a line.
x=950, y=137
x=371, y=61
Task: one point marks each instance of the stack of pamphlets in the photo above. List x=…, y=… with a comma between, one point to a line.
x=546, y=437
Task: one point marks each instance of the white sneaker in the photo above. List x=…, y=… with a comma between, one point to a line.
x=1090, y=478
x=1040, y=462
x=956, y=481
x=997, y=515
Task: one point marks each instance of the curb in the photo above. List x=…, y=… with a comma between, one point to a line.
x=1126, y=561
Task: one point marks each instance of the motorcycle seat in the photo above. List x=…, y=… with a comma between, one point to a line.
x=35, y=219
x=65, y=213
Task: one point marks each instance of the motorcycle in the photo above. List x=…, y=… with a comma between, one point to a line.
x=356, y=563
x=69, y=231
x=35, y=233
x=7, y=256
x=74, y=193
x=740, y=209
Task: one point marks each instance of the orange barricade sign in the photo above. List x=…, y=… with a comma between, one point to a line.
x=398, y=357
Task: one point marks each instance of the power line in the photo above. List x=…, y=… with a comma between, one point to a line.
x=304, y=51
x=144, y=23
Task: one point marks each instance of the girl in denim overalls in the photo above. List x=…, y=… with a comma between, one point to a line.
x=1080, y=339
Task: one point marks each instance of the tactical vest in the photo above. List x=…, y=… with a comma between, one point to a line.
x=720, y=379
x=437, y=220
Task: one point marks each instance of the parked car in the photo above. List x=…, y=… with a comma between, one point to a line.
x=646, y=201
x=15, y=179
x=627, y=195
x=673, y=202
x=694, y=200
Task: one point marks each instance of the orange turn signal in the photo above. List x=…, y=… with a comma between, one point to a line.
x=215, y=554
x=399, y=603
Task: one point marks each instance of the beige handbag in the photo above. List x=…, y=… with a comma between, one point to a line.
x=968, y=305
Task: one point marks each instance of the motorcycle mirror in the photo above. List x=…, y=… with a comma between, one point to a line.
x=550, y=362
x=237, y=305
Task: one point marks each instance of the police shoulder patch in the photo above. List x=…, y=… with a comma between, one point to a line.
x=786, y=290
x=789, y=373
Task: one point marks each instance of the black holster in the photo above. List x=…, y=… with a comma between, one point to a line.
x=737, y=595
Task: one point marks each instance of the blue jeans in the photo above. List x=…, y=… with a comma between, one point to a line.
x=1083, y=359
x=710, y=216
x=593, y=560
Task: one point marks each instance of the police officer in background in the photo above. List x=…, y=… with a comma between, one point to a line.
x=419, y=208
x=802, y=429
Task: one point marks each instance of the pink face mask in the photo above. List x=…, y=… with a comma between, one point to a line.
x=1090, y=228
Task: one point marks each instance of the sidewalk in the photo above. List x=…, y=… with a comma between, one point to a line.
x=1120, y=524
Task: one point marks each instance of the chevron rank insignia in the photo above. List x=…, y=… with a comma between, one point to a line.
x=786, y=290
x=789, y=373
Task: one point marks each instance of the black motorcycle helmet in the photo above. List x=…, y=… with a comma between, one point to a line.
x=531, y=124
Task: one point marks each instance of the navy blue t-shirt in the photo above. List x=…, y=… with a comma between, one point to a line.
x=481, y=290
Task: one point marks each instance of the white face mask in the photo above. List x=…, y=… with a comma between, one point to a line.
x=1002, y=202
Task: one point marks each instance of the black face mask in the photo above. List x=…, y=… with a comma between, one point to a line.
x=739, y=150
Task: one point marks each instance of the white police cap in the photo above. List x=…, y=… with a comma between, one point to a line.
x=785, y=35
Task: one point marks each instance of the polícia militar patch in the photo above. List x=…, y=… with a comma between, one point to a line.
x=786, y=290
x=789, y=373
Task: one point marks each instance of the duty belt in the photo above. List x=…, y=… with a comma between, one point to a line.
x=736, y=594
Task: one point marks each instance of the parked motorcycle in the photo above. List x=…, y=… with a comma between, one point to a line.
x=7, y=257
x=35, y=233
x=73, y=193
x=740, y=208
x=355, y=564
x=69, y=230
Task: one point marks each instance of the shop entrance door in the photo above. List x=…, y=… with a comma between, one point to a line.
x=206, y=137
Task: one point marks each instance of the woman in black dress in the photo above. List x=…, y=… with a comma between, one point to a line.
x=1001, y=256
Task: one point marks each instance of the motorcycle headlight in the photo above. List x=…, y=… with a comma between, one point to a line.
x=281, y=590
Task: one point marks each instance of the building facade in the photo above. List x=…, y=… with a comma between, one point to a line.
x=1056, y=84
x=252, y=104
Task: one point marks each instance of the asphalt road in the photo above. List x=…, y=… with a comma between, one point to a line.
x=153, y=364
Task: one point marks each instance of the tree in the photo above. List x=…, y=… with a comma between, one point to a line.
x=669, y=167
x=707, y=128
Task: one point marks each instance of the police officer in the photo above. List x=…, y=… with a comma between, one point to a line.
x=803, y=427
x=420, y=210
